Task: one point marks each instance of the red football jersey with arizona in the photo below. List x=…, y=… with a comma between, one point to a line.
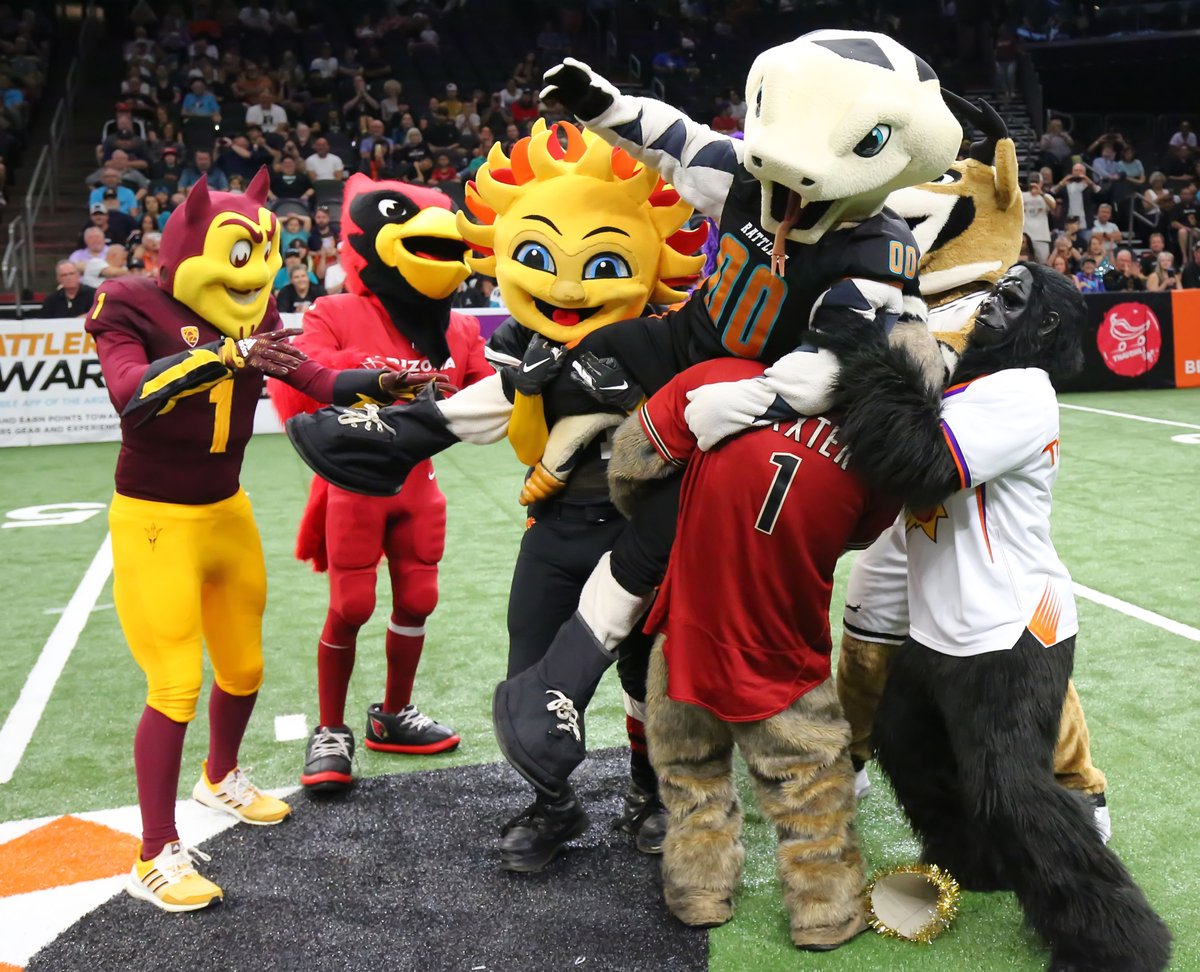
x=763, y=519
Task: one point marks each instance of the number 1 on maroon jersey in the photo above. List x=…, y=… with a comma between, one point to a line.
x=785, y=475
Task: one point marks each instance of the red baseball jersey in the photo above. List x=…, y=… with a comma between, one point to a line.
x=763, y=519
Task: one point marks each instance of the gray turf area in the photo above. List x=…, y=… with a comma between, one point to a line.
x=401, y=874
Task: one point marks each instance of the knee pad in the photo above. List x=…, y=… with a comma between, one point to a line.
x=352, y=595
x=415, y=593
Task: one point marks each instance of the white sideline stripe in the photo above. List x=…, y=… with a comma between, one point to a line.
x=1128, y=415
x=1141, y=614
x=289, y=727
x=25, y=715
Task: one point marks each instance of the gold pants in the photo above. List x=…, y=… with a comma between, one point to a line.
x=863, y=668
x=183, y=577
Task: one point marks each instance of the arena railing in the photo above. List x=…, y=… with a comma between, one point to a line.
x=43, y=184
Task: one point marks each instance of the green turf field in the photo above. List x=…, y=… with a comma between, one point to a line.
x=1125, y=523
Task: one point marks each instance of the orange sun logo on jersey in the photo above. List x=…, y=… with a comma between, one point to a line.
x=927, y=520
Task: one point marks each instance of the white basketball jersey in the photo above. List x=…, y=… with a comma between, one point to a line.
x=981, y=567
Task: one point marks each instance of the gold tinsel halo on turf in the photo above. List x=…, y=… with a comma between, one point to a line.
x=937, y=902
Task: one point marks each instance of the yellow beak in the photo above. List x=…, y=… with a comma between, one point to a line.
x=424, y=252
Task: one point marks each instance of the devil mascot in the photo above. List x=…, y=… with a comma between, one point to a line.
x=183, y=358
x=404, y=258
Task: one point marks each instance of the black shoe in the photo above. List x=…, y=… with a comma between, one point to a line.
x=1100, y=816
x=328, y=759
x=407, y=731
x=646, y=818
x=538, y=714
x=533, y=838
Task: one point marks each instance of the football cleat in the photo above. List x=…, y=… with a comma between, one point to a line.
x=407, y=731
x=238, y=797
x=533, y=838
x=170, y=882
x=645, y=818
x=328, y=760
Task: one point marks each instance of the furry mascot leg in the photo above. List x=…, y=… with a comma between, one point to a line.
x=692, y=751
x=1073, y=765
x=799, y=762
x=861, y=674
x=996, y=718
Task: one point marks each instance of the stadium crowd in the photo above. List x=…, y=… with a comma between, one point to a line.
x=24, y=59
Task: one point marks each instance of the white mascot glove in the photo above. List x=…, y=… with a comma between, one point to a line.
x=726, y=408
x=805, y=380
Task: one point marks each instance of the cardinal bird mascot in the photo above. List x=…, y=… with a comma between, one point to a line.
x=404, y=258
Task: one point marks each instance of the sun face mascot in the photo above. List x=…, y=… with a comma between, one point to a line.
x=838, y=120
x=404, y=259
x=968, y=224
x=579, y=237
x=184, y=358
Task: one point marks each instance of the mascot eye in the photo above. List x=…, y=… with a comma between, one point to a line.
x=606, y=266
x=390, y=209
x=758, y=104
x=536, y=257
x=874, y=141
x=239, y=255
x=947, y=178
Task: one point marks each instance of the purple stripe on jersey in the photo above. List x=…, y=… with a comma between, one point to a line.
x=964, y=471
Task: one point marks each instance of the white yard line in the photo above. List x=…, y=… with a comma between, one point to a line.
x=23, y=719
x=1141, y=614
x=1128, y=415
x=290, y=727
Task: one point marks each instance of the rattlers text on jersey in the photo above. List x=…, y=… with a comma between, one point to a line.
x=981, y=566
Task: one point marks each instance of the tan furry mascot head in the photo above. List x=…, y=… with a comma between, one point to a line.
x=967, y=223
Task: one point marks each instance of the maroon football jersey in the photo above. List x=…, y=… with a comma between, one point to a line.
x=763, y=519
x=193, y=453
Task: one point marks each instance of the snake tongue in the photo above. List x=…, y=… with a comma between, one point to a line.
x=568, y=318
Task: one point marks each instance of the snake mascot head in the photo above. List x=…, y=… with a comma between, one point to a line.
x=220, y=253
x=968, y=224
x=578, y=236
x=402, y=246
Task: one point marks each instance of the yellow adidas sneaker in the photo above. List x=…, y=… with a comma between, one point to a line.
x=170, y=882
x=240, y=798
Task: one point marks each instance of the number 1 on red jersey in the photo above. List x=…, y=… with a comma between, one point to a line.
x=785, y=475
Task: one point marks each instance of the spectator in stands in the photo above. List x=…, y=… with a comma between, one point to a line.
x=1106, y=229
x=511, y=135
x=294, y=232
x=298, y=295
x=1062, y=249
x=1105, y=167
x=361, y=105
x=144, y=258
x=1185, y=220
x=476, y=292
x=380, y=164
x=294, y=257
x=322, y=240
x=165, y=92
x=323, y=71
x=110, y=188
x=163, y=140
x=1191, y=273
x=1039, y=207
x=442, y=134
x=1080, y=192
x=113, y=223
x=427, y=38
x=202, y=165
x=1184, y=138
x=1163, y=276
x=166, y=173
x=444, y=170
x=266, y=114
x=1096, y=250
x=527, y=74
x=1126, y=275
x=199, y=103
x=1056, y=147
x=414, y=156
x=1086, y=280
x=375, y=136
x=154, y=209
x=94, y=247
x=1158, y=200
x=244, y=155
x=1178, y=165
x=393, y=102
x=723, y=121
x=72, y=298
x=1130, y=167
x=291, y=183
x=451, y=102
x=96, y=271
x=1007, y=54
x=322, y=164
x=1026, y=253
x=1058, y=263
x=1149, y=258
x=127, y=176
x=511, y=93
x=251, y=83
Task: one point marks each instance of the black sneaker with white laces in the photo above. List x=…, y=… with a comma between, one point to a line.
x=533, y=838
x=407, y=731
x=645, y=818
x=328, y=760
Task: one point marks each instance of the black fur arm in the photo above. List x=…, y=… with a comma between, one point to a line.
x=892, y=424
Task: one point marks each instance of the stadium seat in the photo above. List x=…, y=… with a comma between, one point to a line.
x=283, y=208
x=329, y=193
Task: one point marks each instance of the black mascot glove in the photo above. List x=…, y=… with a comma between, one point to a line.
x=542, y=362
x=579, y=89
x=606, y=381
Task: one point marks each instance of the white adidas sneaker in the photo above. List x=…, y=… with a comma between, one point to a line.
x=170, y=881
x=238, y=797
